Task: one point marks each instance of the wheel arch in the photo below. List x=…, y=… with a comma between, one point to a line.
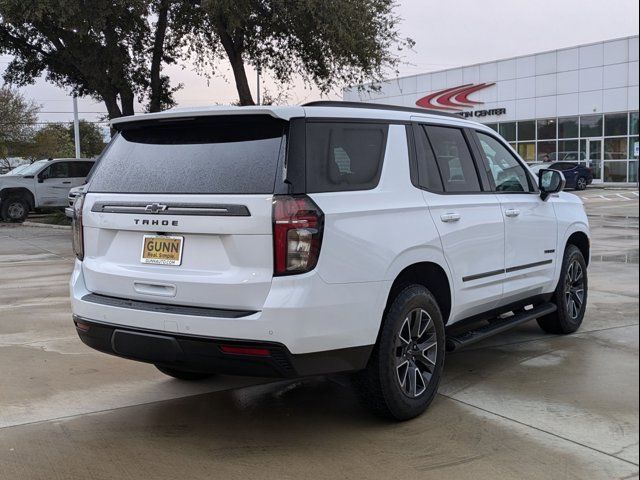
x=18, y=192
x=429, y=274
x=581, y=240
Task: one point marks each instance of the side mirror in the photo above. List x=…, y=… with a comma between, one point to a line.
x=550, y=182
x=41, y=178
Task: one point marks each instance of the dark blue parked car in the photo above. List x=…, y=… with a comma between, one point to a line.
x=578, y=176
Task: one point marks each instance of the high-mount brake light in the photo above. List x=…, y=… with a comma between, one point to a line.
x=297, y=234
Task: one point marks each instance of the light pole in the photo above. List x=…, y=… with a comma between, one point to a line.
x=258, y=85
x=76, y=126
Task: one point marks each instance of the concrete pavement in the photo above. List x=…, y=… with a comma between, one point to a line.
x=520, y=405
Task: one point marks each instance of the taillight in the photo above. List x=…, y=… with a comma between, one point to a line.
x=297, y=234
x=78, y=237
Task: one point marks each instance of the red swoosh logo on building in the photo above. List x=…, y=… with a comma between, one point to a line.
x=454, y=98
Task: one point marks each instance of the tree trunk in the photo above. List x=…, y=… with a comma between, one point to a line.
x=127, y=100
x=237, y=65
x=111, y=102
x=242, y=85
x=155, y=103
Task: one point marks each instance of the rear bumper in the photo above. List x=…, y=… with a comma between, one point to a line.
x=302, y=313
x=205, y=354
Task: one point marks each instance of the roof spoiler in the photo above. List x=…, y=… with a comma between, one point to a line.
x=179, y=114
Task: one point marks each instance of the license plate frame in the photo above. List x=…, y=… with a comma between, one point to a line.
x=163, y=258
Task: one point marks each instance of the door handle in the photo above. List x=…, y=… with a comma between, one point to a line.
x=450, y=217
x=512, y=212
x=66, y=183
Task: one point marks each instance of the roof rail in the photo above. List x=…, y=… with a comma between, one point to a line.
x=376, y=106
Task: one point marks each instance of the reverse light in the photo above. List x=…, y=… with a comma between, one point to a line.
x=297, y=234
x=78, y=236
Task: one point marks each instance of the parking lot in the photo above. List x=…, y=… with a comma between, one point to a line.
x=520, y=405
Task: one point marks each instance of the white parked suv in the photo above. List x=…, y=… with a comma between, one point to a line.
x=329, y=237
x=43, y=184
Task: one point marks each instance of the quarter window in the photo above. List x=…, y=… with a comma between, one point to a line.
x=428, y=173
x=508, y=174
x=454, y=160
x=344, y=156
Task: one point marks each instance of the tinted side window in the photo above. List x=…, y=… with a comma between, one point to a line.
x=58, y=170
x=428, y=174
x=344, y=156
x=508, y=174
x=454, y=159
x=562, y=166
x=80, y=169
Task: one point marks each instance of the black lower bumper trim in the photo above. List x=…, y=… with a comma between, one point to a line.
x=204, y=354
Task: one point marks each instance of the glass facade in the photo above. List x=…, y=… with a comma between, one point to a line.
x=607, y=142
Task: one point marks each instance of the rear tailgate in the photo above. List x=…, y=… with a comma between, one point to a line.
x=226, y=261
x=209, y=184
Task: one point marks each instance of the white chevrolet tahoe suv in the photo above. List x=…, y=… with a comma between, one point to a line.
x=329, y=237
x=43, y=184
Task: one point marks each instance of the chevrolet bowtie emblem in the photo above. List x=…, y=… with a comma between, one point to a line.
x=155, y=208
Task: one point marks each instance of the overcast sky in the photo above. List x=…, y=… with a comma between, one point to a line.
x=447, y=33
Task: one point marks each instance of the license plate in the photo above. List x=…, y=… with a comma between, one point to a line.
x=161, y=250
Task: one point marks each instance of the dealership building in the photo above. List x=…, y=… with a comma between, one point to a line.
x=576, y=104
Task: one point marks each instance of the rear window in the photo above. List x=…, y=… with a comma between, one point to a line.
x=222, y=155
x=344, y=156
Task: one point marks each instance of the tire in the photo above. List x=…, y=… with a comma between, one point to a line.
x=14, y=209
x=581, y=183
x=387, y=385
x=570, y=295
x=183, y=374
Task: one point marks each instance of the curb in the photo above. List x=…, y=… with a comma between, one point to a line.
x=46, y=225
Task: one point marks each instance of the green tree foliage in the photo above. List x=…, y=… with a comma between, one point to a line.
x=17, y=119
x=111, y=50
x=329, y=43
x=57, y=140
x=115, y=50
x=51, y=141
x=91, y=139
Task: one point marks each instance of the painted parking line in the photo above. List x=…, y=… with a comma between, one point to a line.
x=625, y=197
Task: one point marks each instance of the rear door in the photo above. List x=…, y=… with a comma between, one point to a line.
x=467, y=215
x=180, y=213
x=79, y=172
x=530, y=223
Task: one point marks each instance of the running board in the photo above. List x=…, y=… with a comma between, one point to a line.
x=456, y=342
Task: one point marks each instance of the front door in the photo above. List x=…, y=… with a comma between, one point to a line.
x=529, y=223
x=595, y=158
x=54, y=183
